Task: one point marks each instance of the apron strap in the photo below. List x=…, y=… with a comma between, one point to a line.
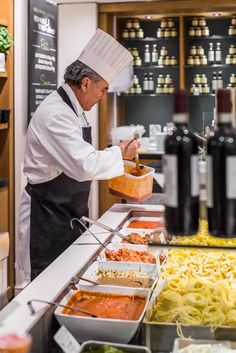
x=65, y=98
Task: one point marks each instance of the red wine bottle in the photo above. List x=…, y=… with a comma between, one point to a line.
x=221, y=170
x=181, y=173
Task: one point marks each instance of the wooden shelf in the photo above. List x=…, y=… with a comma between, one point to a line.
x=3, y=22
x=3, y=74
x=4, y=126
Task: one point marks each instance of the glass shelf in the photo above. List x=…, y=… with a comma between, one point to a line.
x=149, y=95
x=211, y=37
x=209, y=66
x=202, y=95
x=156, y=67
x=149, y=39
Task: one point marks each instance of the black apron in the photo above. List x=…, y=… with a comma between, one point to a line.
x=53, y=204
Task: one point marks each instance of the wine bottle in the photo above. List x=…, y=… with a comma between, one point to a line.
x=181, y=173
x=221, y=170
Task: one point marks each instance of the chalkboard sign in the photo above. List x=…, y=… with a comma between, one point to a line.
x=42, y=51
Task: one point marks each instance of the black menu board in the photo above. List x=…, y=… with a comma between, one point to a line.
x=42, y=52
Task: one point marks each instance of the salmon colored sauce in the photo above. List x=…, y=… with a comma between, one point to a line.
x=107, y=305
x=146, y=224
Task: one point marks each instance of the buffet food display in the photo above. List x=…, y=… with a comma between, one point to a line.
x=196, y=287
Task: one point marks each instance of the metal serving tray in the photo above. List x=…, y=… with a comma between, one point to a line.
x=159, y=212
x=125, y=347
x=160, y=337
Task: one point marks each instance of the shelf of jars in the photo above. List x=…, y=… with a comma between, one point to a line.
x=156, y=67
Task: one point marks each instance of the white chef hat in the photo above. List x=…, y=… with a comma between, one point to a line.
x=105, y=55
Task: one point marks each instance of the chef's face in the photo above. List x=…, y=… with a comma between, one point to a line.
x=92, y=92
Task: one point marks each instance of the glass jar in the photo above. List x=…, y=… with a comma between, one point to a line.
x=193, y=50
x=202, y=22
x=203, y=79
x=198, y=32
x=203, y=60
x=205, y=89
x=205, y=31
x=135, y=80
x=232, y=49
x=170, y=23
x=234, y=60
x=159, y=89
x=232, y=78
x=168, y=80
x=231, y=30
x=174, y=32
x=192, y=88
x=173, y=61
x=139, y=33
x=132, y=33
x=128, y=24
x=200, y=50
x=191, y=32
x=135, y=24
x=228, y=59
x=132, y=90
x=163, y=51
x=160, y=80
x=125, y=33
x=167, y=32
x=197, y=61
x=135, y=52
x=197, y=79
x=165, y=89
x=164, y=23
x=195, y=22
x=167, y=61
x=233, y=20
x=171, y=89
x=161, y=61
x=137, y=61
x=138, y=89
x=200, y=88
x=190, y=60
x=160, y=33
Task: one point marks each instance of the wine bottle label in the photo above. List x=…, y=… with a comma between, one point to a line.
x=209, y=182
x=231, y=177
x=170, y=169
x=194, y=176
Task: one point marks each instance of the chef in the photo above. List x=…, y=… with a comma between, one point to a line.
x=60, y=161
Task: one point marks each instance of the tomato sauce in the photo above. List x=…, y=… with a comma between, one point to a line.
x=107, y=305
x=146, y=224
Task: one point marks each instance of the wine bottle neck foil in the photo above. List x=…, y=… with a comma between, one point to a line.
x=180, y=118
x=224, y=118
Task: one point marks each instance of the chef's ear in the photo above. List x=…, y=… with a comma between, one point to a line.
x=85, y=83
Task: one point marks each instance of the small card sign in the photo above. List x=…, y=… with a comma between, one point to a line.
x=66, y=341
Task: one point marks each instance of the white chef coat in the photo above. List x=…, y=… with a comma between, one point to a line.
x=55, y=144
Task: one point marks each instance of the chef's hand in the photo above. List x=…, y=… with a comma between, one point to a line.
x=129, y=148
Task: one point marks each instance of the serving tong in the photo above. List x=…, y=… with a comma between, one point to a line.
x=105, y=227
x=32, y=310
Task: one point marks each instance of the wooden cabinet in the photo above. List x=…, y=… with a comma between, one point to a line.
x=7, y=145
x=112, y=18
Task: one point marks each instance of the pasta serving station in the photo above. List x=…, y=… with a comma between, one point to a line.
x=133, y=284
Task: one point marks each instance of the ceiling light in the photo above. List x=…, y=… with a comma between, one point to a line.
x=216, y=14
x=148, y=17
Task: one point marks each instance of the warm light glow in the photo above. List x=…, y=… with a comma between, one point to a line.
x=216, y=14
x=148, y=17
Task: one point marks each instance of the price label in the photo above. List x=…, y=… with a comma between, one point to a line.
x=66, y=341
